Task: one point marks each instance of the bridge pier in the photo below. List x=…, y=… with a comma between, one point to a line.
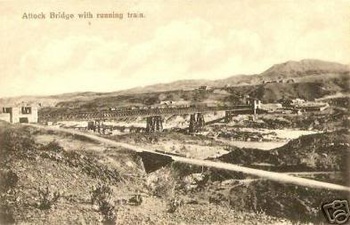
x=99, y=126
x=154, y=124
x=256, y=105
x=91, y=125
x=228, y=116
x=96, y=126
x=200, y=120
x=196, y=122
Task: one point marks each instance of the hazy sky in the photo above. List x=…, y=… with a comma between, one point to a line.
x=180, y=39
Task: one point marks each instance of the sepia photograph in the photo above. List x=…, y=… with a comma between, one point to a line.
x=176, y=112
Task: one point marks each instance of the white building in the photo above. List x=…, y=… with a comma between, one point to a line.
x=24, y=114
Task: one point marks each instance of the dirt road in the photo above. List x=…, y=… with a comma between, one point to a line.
x=279, y=177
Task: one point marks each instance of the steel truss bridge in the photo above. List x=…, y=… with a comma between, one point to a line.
x=154, y=115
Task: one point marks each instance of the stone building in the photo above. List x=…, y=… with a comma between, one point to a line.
x=23, y=114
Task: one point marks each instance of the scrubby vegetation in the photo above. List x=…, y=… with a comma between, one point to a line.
x=105, y=186
x=102, y=197
x=47, y=199
x=317, y=152
x=46, y=178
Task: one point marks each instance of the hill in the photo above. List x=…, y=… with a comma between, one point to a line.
x=303, y=68
x=321, y=152
x=308, y=79
x=316, y=152
x=311, y=90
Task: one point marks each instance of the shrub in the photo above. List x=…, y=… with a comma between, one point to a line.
x=53, y=146
x=101, y=192
x=16, y=144
x=10, y=180
x=174, y=204
x=47, y=199
x=163, y=187
x=102, y=197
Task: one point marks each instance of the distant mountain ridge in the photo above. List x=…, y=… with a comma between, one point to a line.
x=305, y=67
x=304, y=71
x=287, y=70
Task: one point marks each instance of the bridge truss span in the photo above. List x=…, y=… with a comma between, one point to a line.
x=110, y=115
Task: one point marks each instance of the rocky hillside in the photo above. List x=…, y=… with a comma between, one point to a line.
x=303, y=68
x=320, y=152
x=315, y=152
x=51, y=177
x=271, y=92
x=320, y=77
x=46, y=184
x=281, y=200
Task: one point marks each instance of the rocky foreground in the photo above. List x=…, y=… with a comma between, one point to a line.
x=50, y=177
